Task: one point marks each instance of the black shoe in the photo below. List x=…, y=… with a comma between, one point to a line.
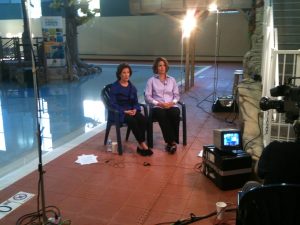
x=141, y=152
x=168, y=147
x=173, y=149
x=149, y=152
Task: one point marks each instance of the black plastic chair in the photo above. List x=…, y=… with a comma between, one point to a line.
x=115, y=121
x=270, y=205
x=152, y=120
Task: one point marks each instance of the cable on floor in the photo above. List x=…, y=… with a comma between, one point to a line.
x=34, y=218
x=198, y=167
x=193, y=218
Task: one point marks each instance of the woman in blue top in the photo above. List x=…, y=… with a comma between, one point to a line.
x=123, y=95
x=162, y=92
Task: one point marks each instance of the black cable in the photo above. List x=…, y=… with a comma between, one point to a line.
x=198, y=167
x=194, y=218
x=200, y=102
x=255, y=136
x=32, y=217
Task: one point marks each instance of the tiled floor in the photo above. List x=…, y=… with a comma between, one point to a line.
x=123, y=190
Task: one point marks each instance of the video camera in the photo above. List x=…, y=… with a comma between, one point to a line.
x=290, y=104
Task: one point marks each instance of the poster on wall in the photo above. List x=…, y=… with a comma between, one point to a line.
x=52, y=28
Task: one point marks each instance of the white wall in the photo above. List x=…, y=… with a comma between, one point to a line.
x=142, y=37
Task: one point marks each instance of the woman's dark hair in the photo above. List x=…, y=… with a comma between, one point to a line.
x=120, y=69
x=156, y=62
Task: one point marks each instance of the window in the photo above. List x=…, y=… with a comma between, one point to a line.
x=35, y=8
x=94, y=4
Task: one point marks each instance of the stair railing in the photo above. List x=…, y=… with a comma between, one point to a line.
x=273, y=74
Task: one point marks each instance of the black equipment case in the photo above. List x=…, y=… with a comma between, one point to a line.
x=228, y=169
x=225, y=104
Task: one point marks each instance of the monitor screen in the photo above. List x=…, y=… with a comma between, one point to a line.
x=228, y=139
x=231, y=139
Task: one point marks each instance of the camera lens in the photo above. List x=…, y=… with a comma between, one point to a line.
x=266, y=104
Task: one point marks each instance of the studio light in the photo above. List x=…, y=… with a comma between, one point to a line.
x=188, y=23
x=213, y=7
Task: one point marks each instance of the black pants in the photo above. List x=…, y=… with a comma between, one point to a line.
x=168, y=120
x=138, y=125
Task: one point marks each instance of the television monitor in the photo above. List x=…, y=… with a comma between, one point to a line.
x=227, y=139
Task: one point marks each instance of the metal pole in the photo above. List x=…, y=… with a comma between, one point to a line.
x=187, y=64
x=215, y=78
x=38, y=133
x=216, y=57
x=193, y=46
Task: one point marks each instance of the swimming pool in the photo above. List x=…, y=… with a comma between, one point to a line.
x=68, y=110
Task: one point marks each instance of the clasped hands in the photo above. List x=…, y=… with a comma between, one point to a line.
x=166, y=105
x=131, y=112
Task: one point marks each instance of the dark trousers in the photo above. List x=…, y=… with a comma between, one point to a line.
x=138, y=125
x=168, y=120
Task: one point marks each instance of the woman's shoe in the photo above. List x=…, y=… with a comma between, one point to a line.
x=168, y=147
x=171, y=148
x=141, y=151
x=149, y=152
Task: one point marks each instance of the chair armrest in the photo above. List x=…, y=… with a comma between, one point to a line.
x=183, y=109
x=182, y=104
x=145, y=109
x=111, y=109
x=116, y=112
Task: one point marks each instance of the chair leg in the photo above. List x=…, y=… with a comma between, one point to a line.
x=184, y=137
x=127, y=133
x=108, y=125
x=120, y=149
x=150, y=134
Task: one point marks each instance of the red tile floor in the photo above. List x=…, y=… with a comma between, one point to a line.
x=121, y=190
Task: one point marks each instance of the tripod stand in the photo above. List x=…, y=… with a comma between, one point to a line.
x=40, y=215
x=216, y=65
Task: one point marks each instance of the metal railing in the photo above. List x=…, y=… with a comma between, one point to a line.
x=277, y=66
x=9, y=49
x=12, y=49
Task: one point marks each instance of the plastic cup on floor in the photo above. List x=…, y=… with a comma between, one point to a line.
x=220, y=210
x=114, y=147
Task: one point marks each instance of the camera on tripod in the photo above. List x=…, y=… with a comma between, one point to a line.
x=290, y=103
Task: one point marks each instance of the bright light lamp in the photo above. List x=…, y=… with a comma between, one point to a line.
x=213, y=7
x=188, y=23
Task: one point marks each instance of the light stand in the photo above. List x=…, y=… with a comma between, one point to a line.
x=41, y=189
x=41, y=214
x=216, y=65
